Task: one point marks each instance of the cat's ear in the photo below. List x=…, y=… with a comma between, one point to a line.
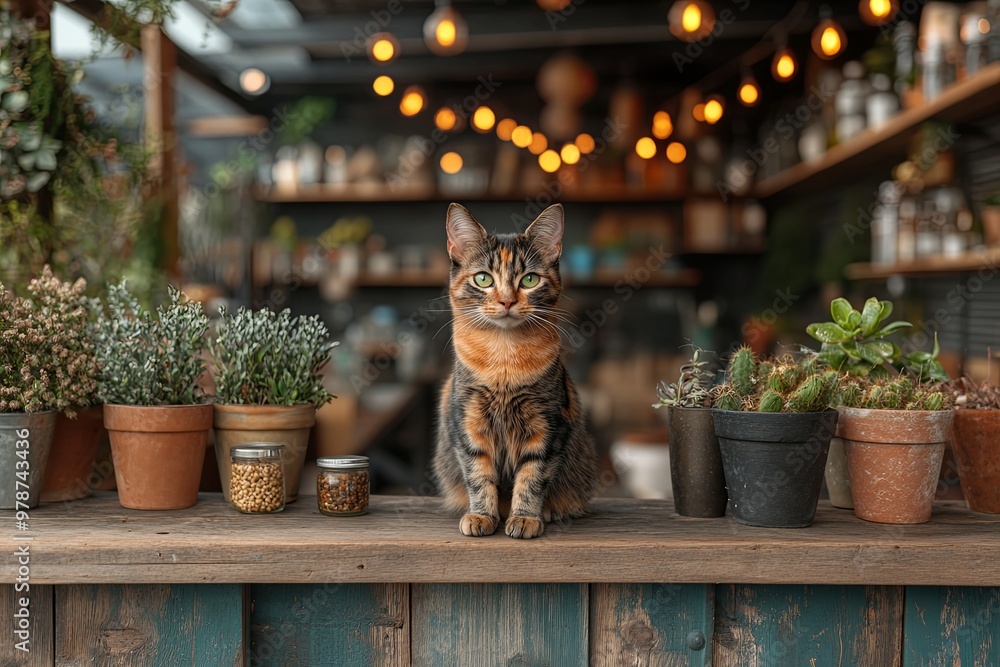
x=464, y=232
x=546, y=232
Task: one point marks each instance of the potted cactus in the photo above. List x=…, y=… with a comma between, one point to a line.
x=976, y=442
x=155, y=412
x=856, y=343
x=47, y=365
x=268, y=371
x=699, y=484
x=774, y=427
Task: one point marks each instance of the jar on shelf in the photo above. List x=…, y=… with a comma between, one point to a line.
x=343, y=485
x=258, y=479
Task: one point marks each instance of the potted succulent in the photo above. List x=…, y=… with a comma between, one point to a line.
x=699, y=484
x=154, y=410
x=856, y=343
x=976, y=442
x=774, y=427
x=46, y=365
x=268, y=371
x=895, y=432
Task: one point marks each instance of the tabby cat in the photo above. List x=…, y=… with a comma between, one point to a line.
x=512, y=438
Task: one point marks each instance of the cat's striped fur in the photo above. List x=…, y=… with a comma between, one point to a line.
x=512, y=439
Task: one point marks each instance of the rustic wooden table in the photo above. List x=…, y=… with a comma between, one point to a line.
x=634, y=584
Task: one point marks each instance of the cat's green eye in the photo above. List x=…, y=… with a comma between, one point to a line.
x=483, y=279
x=529, y=280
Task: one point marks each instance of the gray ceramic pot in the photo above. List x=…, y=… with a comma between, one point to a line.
x=696, y=463
x=36, y=431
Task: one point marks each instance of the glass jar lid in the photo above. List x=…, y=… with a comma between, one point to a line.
x=343, y=462
x=257, y=450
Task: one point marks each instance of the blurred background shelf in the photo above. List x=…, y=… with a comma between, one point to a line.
x=927, y=266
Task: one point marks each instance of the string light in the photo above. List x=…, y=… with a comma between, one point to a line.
x=505, y=128
x=413, y=101
x=663, y=127
x=784, y=64
x=553, y=5
x=585, y=143
x=645, y=148
x=538, y=143
x=383, y=85
x=451, y=163
x=483, y=119
x=698, y=112
x=254, y=82
x=691, y=20
x=570, y=154
x=382, y=48
x=878, y=12
x=676, y=152
x=749, y=92
x=521, y=136
x=828, y=38
x=713, y=110
x=549, y=161
x=445, y=31
x=445, y=119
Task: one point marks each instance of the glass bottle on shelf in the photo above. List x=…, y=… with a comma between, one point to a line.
x=906, y=239
x=882, y=103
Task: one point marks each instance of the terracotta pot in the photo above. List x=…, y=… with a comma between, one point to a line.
x=74, y=450
x=32, y=435
x=976, y=442
x=158, y=453
x=838, y=476
x=288, y=425
x=895, y=460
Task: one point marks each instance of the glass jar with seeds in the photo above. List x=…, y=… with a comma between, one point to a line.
x=343, y=485
x=258, y=480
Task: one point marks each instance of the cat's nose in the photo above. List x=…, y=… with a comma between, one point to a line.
x=507, y=303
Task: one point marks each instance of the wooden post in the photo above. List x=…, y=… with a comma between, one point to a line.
x=159, y=57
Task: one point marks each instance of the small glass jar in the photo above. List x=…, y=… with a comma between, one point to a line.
x=257, y=479
x=343, y=485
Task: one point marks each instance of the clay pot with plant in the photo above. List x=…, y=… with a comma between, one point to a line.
x=268, y=371
x=697, y=478
x=857, y=344
x=47, y=367
x=774, y=425
x=155, y=412
x=895, y=432
x=976, y=442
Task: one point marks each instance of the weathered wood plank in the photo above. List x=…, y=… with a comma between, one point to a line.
x=348, y=625
x=41, y=643
x=953, y=627
x=149, y=626
x=410, y=539
x=651, y=625
x=496, y=625
x=758, y=626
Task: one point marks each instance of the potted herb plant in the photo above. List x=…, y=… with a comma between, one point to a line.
x=46, y=366
x=269, y=383
x=856, y=343
x=154, y=410
x=699, y=484
x=774, y=426
x=895, y=433
x=976, y=442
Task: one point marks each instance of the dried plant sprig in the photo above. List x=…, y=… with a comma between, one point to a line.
x=267, y=358
x=693, y=387
x=151, y=358
x=971, y=395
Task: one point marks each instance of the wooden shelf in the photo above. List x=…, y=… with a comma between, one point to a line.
x=961, y=102
x=927, y=266
x=412, y=539
x=678, y=278
x=379, y=193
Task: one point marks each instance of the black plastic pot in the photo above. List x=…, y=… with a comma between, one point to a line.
x=774, y=464
x=696, y=463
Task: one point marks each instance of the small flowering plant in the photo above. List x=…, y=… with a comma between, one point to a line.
x=47, y=358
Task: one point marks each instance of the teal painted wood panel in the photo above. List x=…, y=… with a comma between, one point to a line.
x=765, y=625
x=347, y=625
x=651, y=625
x=493, y=625
x=149, y=625
x=951, y=626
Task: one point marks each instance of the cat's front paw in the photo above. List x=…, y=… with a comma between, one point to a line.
x=524, y=527
x=477, y=525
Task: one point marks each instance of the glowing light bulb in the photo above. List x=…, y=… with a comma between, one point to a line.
x=451, y=163
x=413, y=101
x=713, y=110
x=538, y=143
x=880, y=8
x=878, y=12
x=446, y=33
x=585, y=143
x=698, y=111
x=382, y=48
x=676, y=152
x=383, y=85
x=254, y=82
x=521, y=136
x=570, y=154
x=549, y=161
x=483, y=119
x=691, y=20
x=691, y=17
x=749, y=92
x=783, y=66
x=645, y=148
x=445, y=119
x=505, y=128
x=663, y=127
